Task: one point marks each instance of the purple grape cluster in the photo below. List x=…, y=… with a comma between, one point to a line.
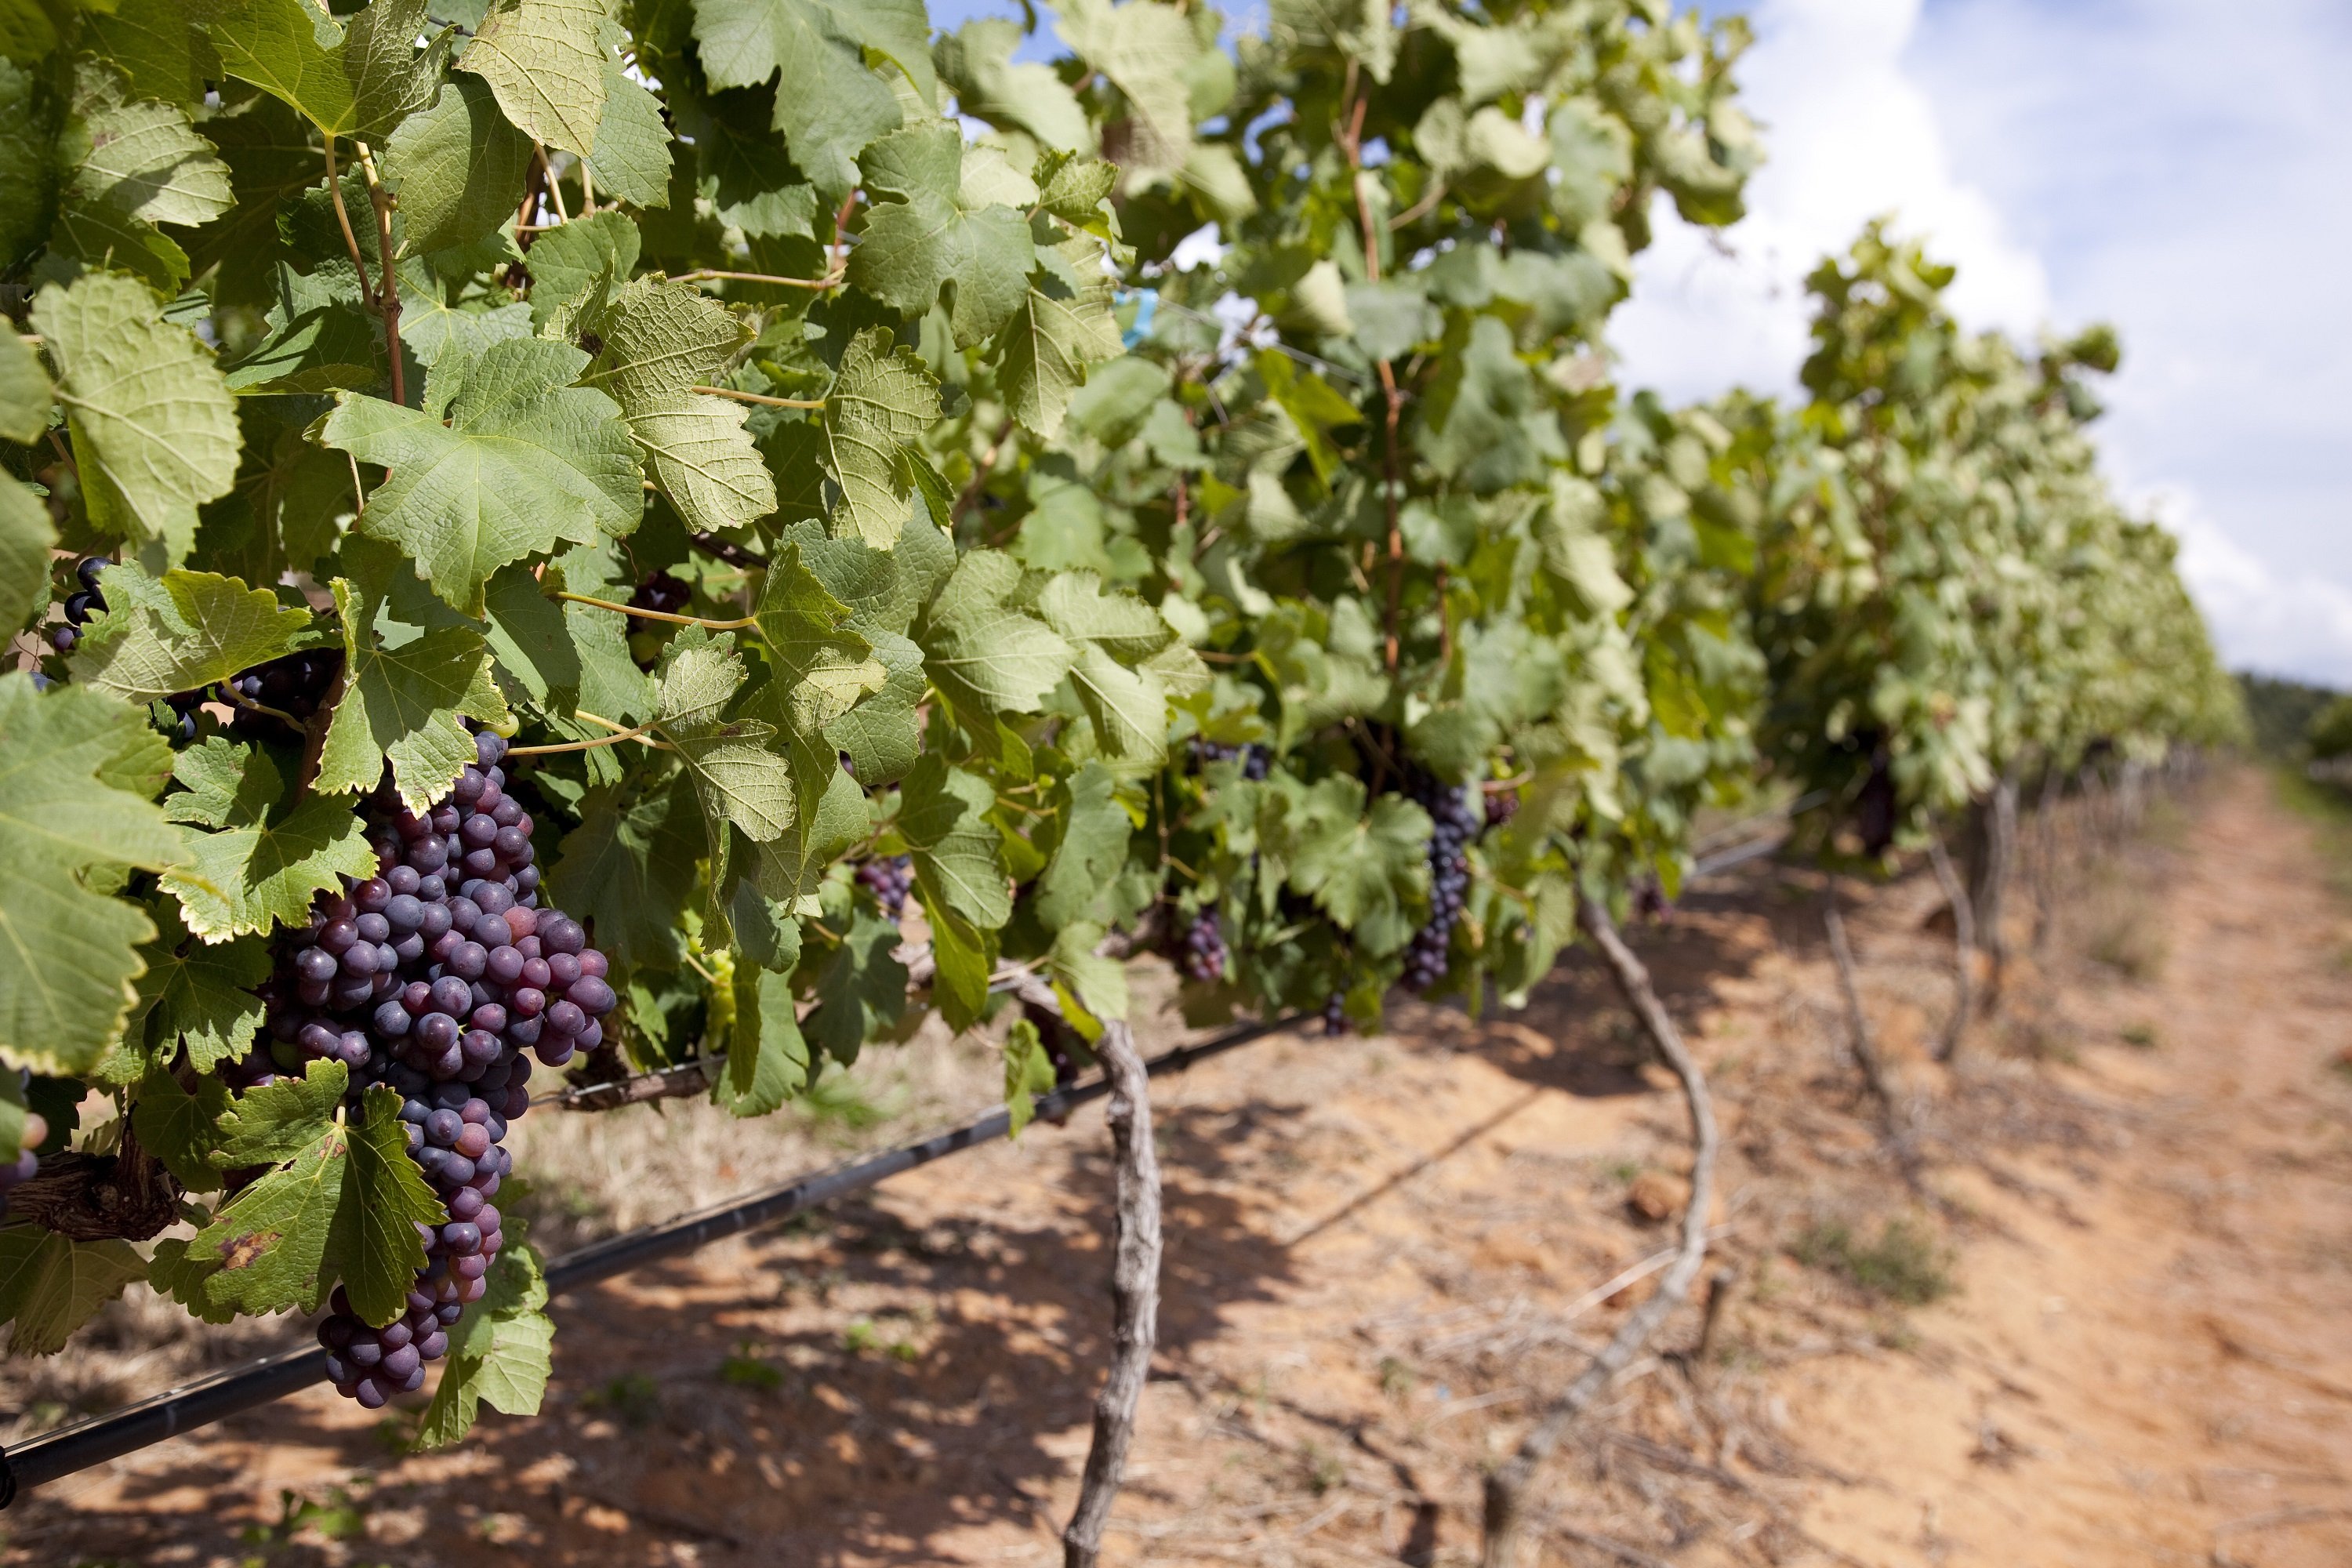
x=1335, y=1013
x=296, y=685
x=435, y=976
x=27, y=1163
x=1502, y=804
x=82, y=605
x=1255, y=758
x=1203, y=954
x=1457, y=823
x=662, y=593
x=887, y=877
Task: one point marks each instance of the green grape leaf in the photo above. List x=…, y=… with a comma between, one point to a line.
x=767, y=1059
x=882, y=402
x=500, y=1354
x=29, y=113
x=180, y=633
x=407, y=685
x=69, y=956
x=629, y=867
x=277, y=1120
x=861, y=992
x=740, y=774
x=1359, y=867
x=576, y=268
x=200, y=995
x=1028, y=1073
x=155, y=428
x=1088, y=851
x=1145, y=50
x=921, y=234
x=50, y=1286
x=1112, y=633
x=158, y=46
x=23, y=389
x=267, y=1250
x=260, y=865
x=829, y=105
x=181, y=1129
x=976, y=60
x=525, y=463
x=959, y=862
x=823, y=666
x=985, y=655
x=1488, y=425
x=141, y=158
x=633, y=156
x=391, y=77
x=375, y=1245
x=880, y=735
x=27, y=537
x=545, y=62
x=456, y=166
x=292, y=51
x=1061, y=327
x=1096, y=983
x=792, y=867
x=660, y=340
x=531, y=640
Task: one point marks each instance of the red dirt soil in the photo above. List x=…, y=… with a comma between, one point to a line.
x=1382, y=1252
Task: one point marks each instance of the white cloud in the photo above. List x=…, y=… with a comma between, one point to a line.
x=1850, y=136
x=2160, y=164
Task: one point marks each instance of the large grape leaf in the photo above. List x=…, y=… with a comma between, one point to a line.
x=275, y=1122
x=628, y=869
x=1115, y=635
x=181, y=1129
x=357, y=80
x=267, y=855
x=500, y=1353
x=741, y=774
x=861, y=991
x=660, y=340
x=267, y=1250
x=27, y=536
x=791, y=867
x=1091, y=830
x=456, y=166
x=829, y=105
x=977, y=61
x=577, y=266
x=1063, y=326
x=23, y=389
x=923, y=232
x=1362, y=868
x=881, y=403
x=50, y=1286
x=412, y=673
x=943, y=815
x=179, y=633
x=67, y=955
x=29, y=114
x=200, y=995
x=154, y=427
x=375, y=1245
x=767, y=1059
x=633, y=156
x=526, y=462
x=1146, y=50
x=141, y=158
x=545, y=61
x=823, y=665
x=157, y=44
x=985, y=654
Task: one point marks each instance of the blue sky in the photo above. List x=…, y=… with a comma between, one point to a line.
x=2176, y=167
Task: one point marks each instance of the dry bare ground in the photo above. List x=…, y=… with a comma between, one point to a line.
x=2106, y=1326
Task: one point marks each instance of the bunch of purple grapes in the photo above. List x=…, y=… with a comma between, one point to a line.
x=1255, y=758
x=435, y=976
x=1502, y=804
x=887, y=877
x=82, y=605
x=1456, y=825
x=1335, y=1013
x=1202, y=956
x=662, y=592
x=296, y=685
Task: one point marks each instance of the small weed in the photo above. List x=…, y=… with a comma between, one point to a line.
x=2128, y=942
x=906, y=1351
x=633, y=1396
x=1324, y=1471
x=1904, y=1265
x=836, y=1098
x=339, y=1517
x=1621, y=1172
x=860, y=1337
x=2144, y=1035
x=744, y=1370
x=1396, y=1378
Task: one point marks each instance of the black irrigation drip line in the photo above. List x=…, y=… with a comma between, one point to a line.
x=94, y=1441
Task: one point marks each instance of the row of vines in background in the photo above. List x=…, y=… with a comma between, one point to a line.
x=616, y=539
